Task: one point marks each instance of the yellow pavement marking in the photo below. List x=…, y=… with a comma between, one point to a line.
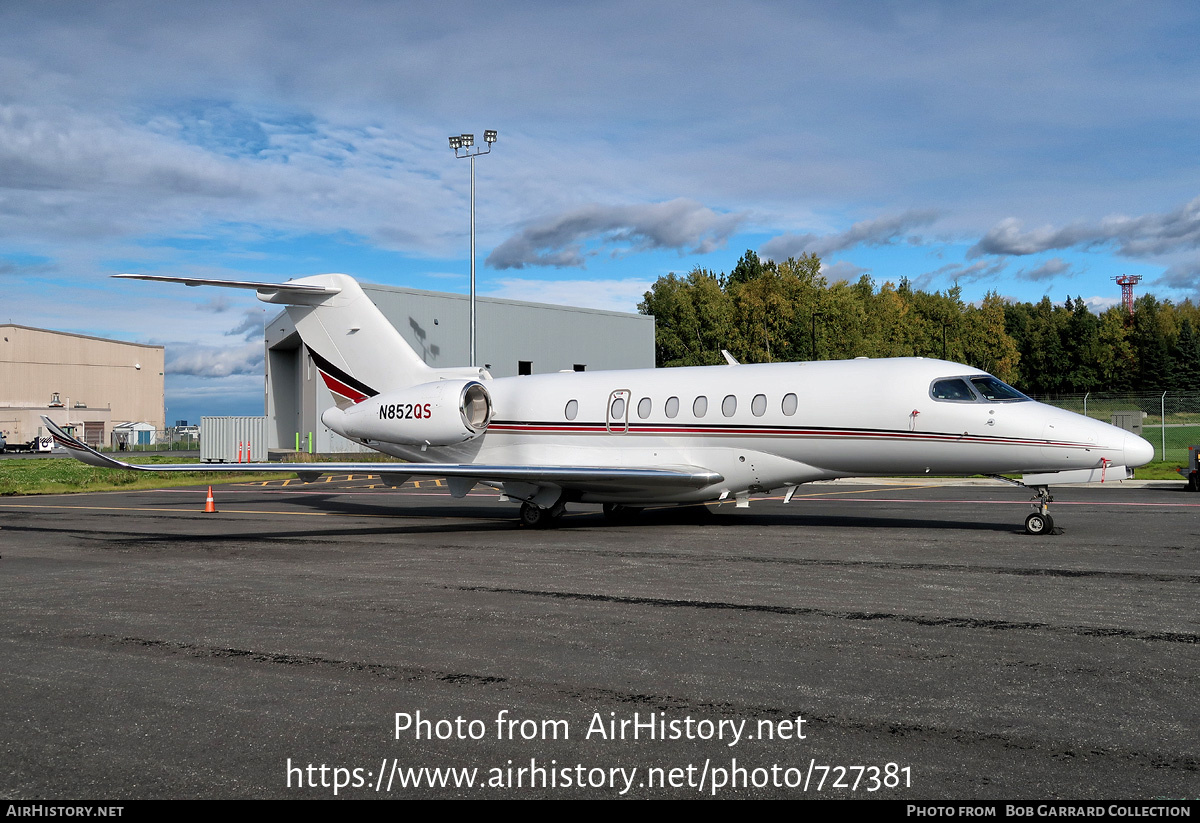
x=190, y=511
x=416, y=484
x=871, y=490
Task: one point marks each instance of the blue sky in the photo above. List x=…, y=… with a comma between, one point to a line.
x=1025, y=148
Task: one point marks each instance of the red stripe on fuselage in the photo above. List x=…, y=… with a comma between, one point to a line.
x=741, y=431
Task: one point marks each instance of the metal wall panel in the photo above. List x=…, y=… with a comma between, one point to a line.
x=125, y=380
x=437, y=326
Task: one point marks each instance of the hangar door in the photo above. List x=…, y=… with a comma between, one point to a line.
x=93, y=434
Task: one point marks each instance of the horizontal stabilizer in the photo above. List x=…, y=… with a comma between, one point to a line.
x=294, y=293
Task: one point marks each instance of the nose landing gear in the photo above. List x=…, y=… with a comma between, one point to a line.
x=1040, y=522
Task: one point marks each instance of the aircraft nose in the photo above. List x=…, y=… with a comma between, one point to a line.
x=1138, y=451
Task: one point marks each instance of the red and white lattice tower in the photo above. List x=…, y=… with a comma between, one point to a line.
x=1127, y=282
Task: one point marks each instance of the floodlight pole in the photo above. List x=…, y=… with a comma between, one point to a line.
x=465, y=142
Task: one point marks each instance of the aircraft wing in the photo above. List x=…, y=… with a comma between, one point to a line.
x=585, y=478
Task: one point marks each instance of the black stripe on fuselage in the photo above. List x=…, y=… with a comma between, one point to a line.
x=735, y=430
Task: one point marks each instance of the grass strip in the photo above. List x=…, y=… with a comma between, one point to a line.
x=53, y=475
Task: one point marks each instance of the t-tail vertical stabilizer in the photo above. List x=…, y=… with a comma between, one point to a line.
x=357, y=351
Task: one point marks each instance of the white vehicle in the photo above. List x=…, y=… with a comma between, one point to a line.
x=627, y=439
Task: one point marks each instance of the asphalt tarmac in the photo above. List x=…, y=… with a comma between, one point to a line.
x=904, y=640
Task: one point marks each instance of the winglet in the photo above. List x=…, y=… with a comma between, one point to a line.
x=83, y=452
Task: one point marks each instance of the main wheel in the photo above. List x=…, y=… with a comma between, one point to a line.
x=1038, y=523
x=535, y=517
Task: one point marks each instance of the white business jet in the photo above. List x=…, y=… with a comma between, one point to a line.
x=628, y=439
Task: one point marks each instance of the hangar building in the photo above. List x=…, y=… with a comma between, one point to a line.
x=513, y=338
x=85, y=384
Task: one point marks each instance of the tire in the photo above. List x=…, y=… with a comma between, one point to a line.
x=535, y=517
x=1038, y=523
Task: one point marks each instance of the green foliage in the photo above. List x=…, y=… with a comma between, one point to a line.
x=54, y=475
x=694, y=319
x=764, y=311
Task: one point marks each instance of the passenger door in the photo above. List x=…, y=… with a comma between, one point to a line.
x=617, y=416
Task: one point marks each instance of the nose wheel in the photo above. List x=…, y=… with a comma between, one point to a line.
x=1040, y=522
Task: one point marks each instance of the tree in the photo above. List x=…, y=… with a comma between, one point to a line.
x=985, y=343
x=1150, y=346
x=1083, y=344
x=748, y=268
x=693, y=319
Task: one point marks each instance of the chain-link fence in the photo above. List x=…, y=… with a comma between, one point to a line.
x=1169, y=420
x=122, y=439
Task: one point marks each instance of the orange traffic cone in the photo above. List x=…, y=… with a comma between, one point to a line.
x=210, y=507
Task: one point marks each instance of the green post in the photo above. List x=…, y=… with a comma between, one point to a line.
x=310, y=451
x=297, y=441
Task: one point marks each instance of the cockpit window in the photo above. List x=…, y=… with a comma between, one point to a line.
x=954, y=388
x=996, y=390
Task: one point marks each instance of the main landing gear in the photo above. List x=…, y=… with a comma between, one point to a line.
x=536, y=517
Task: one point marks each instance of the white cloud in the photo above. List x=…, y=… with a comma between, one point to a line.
x=882, y=231
x=252, y=325
x=1143, y=236
x=67, y=176
x=1184, y=276
x=1101, y=303
x=842, y=270
x=960, y=273
x=1050, y=269
x=209, y=361
x=560, y=241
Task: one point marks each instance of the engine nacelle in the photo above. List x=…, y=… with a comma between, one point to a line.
x=441, y=413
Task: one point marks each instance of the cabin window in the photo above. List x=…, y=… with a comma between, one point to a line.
x=758, y=406
x=996, y=390
x=789, y=404
x=672, y=407
x=729, y=405
x=524, y=367
x=618, y=409
x=700, y=406
x=644, y=406
x=572, y=409
x=581, y=367
x=955, y=389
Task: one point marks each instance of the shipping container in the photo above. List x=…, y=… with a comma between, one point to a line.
x=233, y=439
